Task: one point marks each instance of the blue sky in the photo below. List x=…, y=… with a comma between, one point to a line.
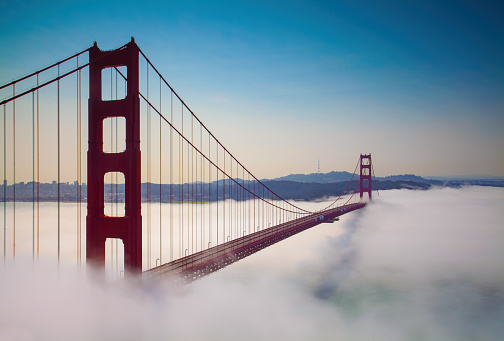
x=419, y=84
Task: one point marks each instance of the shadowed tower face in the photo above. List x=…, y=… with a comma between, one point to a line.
x=99, y=226
x=365, y=175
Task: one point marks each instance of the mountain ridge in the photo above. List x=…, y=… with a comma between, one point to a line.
x=334, y=176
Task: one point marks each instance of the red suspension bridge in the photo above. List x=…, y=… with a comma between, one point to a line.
x=164, y=196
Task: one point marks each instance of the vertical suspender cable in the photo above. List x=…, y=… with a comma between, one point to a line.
x=38, y=171
x=203, y=196
x=243, y=203
x=231, y=200
x=247, y=197
x=171, y=177
x=209, y=194
x=59, y=174
x=33, y=176
x=160, y=182
x=254, y=198
x=4, y=185
x=182, y=185
x=217, y=171
x=248, y=200
x=181, y=190
x=111, y=200
x=111, y=197
x=201, y=188
x=78, y=166
x=238, y=220
x=195, y=197
x=264, y=221
x=376, y=183
x=14, y=175
x=224, y=201
x=179, y=199
x=240, y=200
x=148, y=175
x=192, y=185
x=79, y=212
x=116, y=189
x=188, y=195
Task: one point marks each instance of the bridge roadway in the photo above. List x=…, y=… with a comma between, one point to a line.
x=195, y=266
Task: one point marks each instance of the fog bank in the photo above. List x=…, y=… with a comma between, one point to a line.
x=413, y=265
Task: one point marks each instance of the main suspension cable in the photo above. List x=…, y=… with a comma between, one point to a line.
x=47, y=68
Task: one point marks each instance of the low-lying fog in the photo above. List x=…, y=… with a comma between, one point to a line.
x=413, y=265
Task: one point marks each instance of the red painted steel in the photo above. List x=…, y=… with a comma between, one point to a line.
x=192, y=267
x=99, y=227
x=365, y=175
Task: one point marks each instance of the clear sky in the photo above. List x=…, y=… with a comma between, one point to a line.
x=419, y=84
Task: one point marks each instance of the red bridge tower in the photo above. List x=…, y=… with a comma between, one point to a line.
x=365, y=175
x=99, y=227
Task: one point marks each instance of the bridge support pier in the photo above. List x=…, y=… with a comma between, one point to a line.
x=365, y=175
x=99, y=227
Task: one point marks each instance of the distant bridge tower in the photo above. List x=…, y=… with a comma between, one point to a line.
x=99, y=227
x=365, y=175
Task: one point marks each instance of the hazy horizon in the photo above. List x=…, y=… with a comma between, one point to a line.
x=433, y=177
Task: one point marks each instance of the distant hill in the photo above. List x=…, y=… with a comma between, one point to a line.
x=300, y=187
x=467, y=178
x=411, y=177
x=481, y=180
x=321, y=178
x=318, y=185
x=311, y=191
x=332, y=177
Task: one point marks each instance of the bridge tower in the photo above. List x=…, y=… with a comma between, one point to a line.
x=99, y=227
x=365, y=175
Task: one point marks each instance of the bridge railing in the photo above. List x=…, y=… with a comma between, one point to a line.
x=204, y=262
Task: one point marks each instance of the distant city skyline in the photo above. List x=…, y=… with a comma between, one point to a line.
x=282, y=84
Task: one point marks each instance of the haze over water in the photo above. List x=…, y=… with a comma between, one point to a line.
x=413, y=265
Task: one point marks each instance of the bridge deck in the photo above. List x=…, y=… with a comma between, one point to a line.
x=192, y=267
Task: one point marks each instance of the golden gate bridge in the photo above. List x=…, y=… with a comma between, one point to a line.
x=147, y=151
